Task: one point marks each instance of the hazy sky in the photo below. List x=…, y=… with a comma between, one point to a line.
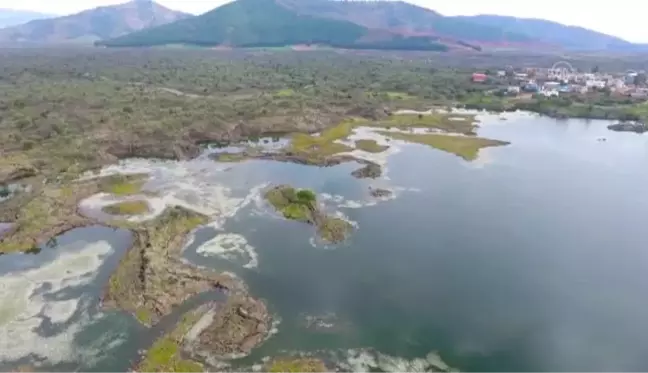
x=625, y=18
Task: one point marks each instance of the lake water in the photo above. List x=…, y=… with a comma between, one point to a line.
x=532, y=258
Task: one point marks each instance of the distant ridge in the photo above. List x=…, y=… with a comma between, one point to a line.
x=553, y=33
x=93, y=24
x=13, y=17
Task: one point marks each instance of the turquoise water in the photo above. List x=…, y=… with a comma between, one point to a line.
x=532, y=258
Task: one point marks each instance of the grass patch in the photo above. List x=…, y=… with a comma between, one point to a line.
x=144, y=316
x=297, y=365
x=466, y=147
x=456, y=123
x=231, y=157
x=165, y=355
x=122, y=185
x=318, y=148
x=370, y=146
x=399, y=96
x=128, y=208
x=286, y=92
x=324, y=145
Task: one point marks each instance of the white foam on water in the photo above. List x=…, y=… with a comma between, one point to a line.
x=230, y=246
x=198, y=185
x=274, y=326
x=101, y=347
x=365, y=360
x=25, y=305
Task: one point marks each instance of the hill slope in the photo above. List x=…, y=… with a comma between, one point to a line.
x=254, y=23
x=569, y=37
x=12, y=17
x=94, y=24
x=405, y=18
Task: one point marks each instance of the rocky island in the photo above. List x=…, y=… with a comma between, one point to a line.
x=210, y=335
x=151, y=279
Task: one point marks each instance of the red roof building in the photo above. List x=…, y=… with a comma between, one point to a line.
x=479, y=77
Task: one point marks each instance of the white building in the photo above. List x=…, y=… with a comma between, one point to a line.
x=595, y=84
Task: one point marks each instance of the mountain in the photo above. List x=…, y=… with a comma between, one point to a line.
x=375, y=24
x=94, y=24
x=12, y=17
x=552, y=33
x=263, y=23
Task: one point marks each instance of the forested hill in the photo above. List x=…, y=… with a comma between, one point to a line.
x=265, y=23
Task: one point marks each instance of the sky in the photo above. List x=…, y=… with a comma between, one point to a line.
x=623, y=18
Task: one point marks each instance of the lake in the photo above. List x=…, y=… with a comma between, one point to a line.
x=534, y=257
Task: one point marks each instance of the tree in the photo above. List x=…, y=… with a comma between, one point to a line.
x=640, y=79
x=595, y=69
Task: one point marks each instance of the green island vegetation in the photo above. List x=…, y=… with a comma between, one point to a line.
x=466, y=147
x=296, y=365
x=301, y=205
x=370, y=146
x=127, y=208
x=293, y=204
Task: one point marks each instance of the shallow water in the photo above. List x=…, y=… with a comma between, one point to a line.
x=531, y=258
x=47, y=301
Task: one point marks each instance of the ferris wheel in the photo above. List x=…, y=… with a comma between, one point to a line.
x=561, y=70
